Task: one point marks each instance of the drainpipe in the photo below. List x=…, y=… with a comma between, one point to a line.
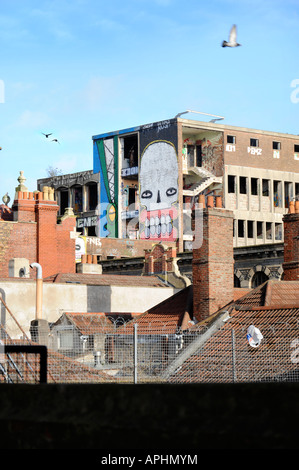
x=39, y=291
x=39, y=328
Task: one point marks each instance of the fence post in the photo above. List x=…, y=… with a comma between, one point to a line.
x=233, y=355
x=135, y=353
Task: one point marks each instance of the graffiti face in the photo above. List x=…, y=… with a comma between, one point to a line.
x=159, y=191
x=159, y=176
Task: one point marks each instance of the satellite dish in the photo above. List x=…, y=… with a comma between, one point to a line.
x=254, y=336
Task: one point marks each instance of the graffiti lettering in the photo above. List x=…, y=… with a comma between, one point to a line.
x=254, y=151
x=163, y=125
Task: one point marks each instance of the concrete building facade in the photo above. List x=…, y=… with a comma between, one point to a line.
x=152, y=175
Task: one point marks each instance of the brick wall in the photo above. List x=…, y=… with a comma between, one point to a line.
x=213, y=262
x=263, y=158
x=159, y=259
x=33, y=233
x=291, y=243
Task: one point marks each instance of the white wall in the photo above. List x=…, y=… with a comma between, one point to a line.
x=19, y=296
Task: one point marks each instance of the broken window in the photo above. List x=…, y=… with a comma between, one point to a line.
x=288, y=193
x=278, y=231
x=230, y=139
x=130, y=149
x=254, y=186
x=276, y=145
x=249, y=228
x=266, y=187
x=254, y=142
x=198, y=155
x=258, y=278
x=92, y=196
x=243, y=185
x=231, y=183
x=277, y=193
x=268, y=230
x=259, y=230
x=241, y=228
x=190, y=155
x=64, y=200
x=77, y=199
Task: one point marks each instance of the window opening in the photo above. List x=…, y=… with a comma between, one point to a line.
x=268, y=231
x=254, y=186
x=254, y=142
x=277, y=190
x=243, y=185
x=231, y=182
x=259, y=230
x=230, y=139
x=276, y=145
x=249, y=228
x=266, y=187
x=241, y=228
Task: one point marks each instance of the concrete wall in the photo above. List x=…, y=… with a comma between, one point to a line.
x=19, y=297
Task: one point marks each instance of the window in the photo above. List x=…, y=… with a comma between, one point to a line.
x=230, y=139
x=258, y=278
x=288, y=193
x=278, y=231
x=297, y=190
x=231, y=183
x=243, y=185
x=277, y=193
x=268, y=231
x=296, y=148
x=276, y=145
x=254, y=186
x=259, y=230
x=249, y=228
x=266, y=187
x=241, y=228
x=254, y=142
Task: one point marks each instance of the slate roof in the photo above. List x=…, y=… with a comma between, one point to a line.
x=95, y=323
x=106, y=280
x=273, y=308
x=227, y=356
x=167, y=317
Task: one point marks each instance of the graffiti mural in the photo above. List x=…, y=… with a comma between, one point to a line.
x=158, y=190
x=107, y=151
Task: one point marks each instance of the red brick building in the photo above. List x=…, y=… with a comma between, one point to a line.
x=30, y=230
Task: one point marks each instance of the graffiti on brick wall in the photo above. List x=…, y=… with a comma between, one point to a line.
x=158, y=190
x=107, y=150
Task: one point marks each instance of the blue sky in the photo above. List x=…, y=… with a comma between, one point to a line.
x=84, y=67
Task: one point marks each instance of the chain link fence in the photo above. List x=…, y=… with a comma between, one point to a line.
x=98, y=348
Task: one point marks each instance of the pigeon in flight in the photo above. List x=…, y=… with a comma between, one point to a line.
x=55, y=140
x=46, y=135
x=232, y=41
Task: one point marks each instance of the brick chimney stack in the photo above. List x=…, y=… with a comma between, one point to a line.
x=291, y=243
x=213, y=259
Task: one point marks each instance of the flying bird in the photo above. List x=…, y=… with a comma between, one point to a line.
x=232, y=40
x=55, y=140
x=46, y=135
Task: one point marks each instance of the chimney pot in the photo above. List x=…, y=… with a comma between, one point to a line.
x=218, y=201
